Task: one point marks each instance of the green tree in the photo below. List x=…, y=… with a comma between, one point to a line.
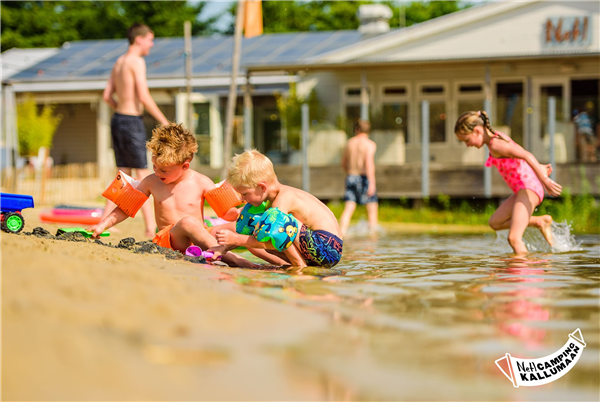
x=295, y=16
x=28, y=24
x=35, y=129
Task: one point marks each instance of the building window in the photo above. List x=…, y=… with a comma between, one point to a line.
x=437, y=121
x=435, y=94
x=547, y=91
x=469, y=105
x=395, y=117
x=352, y=116
x=394, y=110
x=394, y=91
x=470, y=89
x=352, y=107
x=432, y=89
x=469, y=98
x=509, y=109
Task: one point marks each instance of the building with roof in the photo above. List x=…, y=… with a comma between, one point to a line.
x=507, y=58
x=75, y=76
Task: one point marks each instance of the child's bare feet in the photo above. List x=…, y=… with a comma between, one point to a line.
x=150, y=233
x=226, y=237
x=546, y=228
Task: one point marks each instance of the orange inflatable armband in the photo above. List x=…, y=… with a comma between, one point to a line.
x=222, y=198
x=123, y=192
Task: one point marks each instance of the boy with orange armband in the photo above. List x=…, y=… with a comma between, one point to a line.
x=178, y=193
x=284, y=221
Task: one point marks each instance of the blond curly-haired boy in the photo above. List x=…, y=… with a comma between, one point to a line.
x=178, y=193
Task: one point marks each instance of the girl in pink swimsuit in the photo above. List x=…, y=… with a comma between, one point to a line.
x=520, y=170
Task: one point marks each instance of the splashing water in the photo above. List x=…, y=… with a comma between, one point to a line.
x=564, y=241
x=362, y=229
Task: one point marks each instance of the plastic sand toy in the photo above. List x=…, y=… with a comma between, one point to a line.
x=195, y=251
x=84, y=232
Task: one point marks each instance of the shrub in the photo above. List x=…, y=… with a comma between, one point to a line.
x=35, y=130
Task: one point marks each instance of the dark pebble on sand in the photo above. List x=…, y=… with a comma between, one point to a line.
x=127, y=243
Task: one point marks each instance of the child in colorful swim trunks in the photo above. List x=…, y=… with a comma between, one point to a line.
x=294, y=226
x=178, y=193
x=520, y=170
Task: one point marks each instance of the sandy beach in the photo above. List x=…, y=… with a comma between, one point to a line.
x=81, y=321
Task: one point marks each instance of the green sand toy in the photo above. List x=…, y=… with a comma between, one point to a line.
x=84, y=232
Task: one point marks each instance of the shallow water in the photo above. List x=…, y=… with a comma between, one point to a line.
x=424, y=317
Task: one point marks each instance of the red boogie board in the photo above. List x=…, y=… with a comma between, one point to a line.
x=72, y=214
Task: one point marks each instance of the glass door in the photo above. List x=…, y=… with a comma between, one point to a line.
x=201, y=129
x=564, y=142
x=206, y=126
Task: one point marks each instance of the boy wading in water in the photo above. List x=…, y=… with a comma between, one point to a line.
x=520, y=170
x=128, y=81
x=178, y=193
x=358, y=162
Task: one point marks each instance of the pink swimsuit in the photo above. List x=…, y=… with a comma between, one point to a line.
x=517, y=174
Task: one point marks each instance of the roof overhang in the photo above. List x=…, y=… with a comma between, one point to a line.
x=312, y=66
x=153, y=83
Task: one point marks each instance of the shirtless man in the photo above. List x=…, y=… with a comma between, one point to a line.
x=359, y=164
x=128, y=80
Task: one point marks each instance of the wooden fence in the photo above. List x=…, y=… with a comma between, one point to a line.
x=61, y=184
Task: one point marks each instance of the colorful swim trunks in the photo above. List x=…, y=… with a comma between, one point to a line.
x=319, y=247
x=163, y=237
x=356, y=190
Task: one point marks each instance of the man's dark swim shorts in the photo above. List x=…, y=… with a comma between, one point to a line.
x=356, y=190
x=129, y=141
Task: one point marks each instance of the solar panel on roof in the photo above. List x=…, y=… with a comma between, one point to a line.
x=212, y=55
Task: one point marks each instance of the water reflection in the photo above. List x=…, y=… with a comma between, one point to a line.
x=444, y=308
x=518, y=316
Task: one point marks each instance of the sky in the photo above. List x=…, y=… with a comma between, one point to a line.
x=215, y=7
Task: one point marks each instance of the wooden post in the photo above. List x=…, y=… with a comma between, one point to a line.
x=232, y=100
x=248, y=111
x=364, y=96
x=187, y=31
x=551, y=133
x=305, y=166
x=424, y=149
x=487, y=106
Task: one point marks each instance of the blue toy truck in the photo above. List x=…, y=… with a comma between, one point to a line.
x=10, y=206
